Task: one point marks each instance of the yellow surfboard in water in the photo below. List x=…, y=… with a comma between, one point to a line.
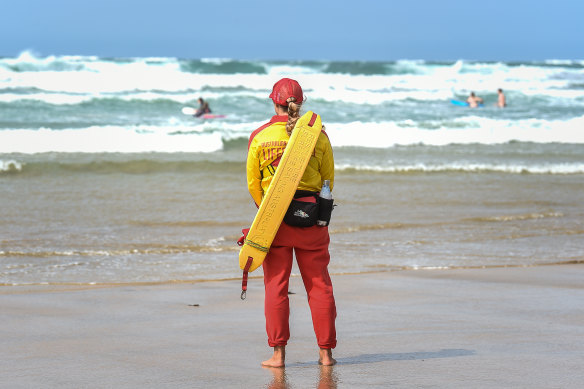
x=281, y=191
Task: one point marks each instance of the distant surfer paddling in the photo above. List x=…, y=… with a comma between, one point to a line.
x=309, y=243
x=203, y=108
x=203, y=112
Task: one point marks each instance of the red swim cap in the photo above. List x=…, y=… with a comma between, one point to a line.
x=284, y=89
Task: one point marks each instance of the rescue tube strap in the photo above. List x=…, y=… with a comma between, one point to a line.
x=256, y=245
x=244, y=280
x=312, y=119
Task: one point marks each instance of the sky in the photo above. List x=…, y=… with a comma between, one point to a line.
x=362, y=30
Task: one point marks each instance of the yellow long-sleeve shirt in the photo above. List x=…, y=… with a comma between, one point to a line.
x=265, y=148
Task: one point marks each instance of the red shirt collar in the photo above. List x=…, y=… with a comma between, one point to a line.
x=279, y=118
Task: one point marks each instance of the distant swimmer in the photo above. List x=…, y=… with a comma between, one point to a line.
x=203, y=108
x=501, y=101
x=473, y=100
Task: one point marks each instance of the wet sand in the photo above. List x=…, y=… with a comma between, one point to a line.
x=464, y=328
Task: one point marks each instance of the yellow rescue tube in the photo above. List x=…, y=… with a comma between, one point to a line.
x=281, y=191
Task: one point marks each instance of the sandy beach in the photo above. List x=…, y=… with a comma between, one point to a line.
x=460, y=328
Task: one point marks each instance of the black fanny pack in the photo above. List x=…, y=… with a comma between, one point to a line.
x=307, y=208
x=303, y=210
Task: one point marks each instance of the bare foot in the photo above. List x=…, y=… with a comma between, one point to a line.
x=325, y=357
x=277, y=359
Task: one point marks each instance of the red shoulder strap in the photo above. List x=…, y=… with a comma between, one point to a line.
x=253, y=134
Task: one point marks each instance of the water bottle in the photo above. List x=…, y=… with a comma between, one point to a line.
x=325, y=204
x=325, y=192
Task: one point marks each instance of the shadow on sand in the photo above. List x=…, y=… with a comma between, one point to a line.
x=372, y=358
x=383, y=357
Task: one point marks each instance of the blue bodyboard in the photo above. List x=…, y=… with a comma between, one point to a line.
x=460, y=103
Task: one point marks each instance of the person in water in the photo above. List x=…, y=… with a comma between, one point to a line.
x=473, y=100
x=501, y=100
x=203, y=108
x=310, y=244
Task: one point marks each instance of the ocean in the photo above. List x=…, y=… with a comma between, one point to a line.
x=104, y=180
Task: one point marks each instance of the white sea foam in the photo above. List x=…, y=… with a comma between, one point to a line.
x=551, y=168
x=110, y=139
x=81, y=91
x=10, y=166
x=209, y=136
x=468, y=130
x=411, y=79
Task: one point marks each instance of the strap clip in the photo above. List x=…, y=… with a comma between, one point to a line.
x=244, y=279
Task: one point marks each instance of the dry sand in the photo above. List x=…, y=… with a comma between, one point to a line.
x=463, y=328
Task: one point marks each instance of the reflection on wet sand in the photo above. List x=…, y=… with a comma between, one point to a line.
x=279, y=380
x=327, y=378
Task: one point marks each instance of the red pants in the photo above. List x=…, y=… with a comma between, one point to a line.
x=310, y=245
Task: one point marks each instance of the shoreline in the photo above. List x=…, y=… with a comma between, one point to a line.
x=456, y=328
x=91, y=285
